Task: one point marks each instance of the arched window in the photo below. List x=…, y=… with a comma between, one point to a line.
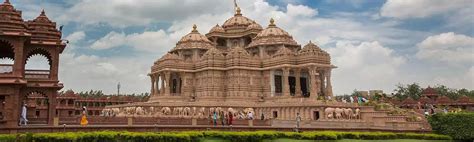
x=38, y=64
x=7, y=57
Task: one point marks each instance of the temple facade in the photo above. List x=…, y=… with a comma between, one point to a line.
x=241, y=61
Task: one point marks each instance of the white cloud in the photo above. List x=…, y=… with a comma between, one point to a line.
x=123, y=13
x=447, y=47
x=156, y=41
x=84, y=72
x=76, y=36
x=404, y=9
x=364, y=66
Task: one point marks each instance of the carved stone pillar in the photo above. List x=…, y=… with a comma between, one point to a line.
x=286, y=84
x=167, y=80
x=328, y=85
x=162, y=90
x=298, y=82
x=152, y=91
x=313, y=88
x=157, y=84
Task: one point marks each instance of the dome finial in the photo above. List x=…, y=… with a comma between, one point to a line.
x=272, y=22
x=195, y=28
x=238, y=11
x=237, y=8
x=7, y=1
x=42, y=13
x=310, y=41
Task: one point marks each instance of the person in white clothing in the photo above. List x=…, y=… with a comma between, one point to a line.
x=250, y=116
x=23, y=119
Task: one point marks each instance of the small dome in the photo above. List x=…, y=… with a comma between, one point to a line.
x=312, y=48
x=238, y=21
x=194, y=40
x=169, y=56
x=213, y=53
x=254, y=26
x=217, y=29
x=273, y=35
x=284, y=52
x=238, y=52
x=10, y=18
x=42, y=28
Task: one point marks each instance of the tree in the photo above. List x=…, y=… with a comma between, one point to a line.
x=411, y=90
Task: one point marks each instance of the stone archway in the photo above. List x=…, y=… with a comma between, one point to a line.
x=37, y=107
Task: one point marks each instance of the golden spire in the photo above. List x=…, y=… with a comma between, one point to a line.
x=272, y=22
x=195, y=28
x=237, y=11
x=237, y=8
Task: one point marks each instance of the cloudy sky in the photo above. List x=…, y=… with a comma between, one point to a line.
x=375, y=44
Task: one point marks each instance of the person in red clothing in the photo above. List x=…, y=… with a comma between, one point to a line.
x=230, y=117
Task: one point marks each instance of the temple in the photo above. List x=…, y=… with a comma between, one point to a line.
x=243, y=68
x=20, y=40
x=241, y=61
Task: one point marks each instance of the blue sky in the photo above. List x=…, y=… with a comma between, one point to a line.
x=375, y=44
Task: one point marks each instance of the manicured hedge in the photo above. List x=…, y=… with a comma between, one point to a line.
x=459, y=126
x=195, y=136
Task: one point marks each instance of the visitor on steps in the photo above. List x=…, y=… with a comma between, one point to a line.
x=23, y=119
x=250, y=116
x=262, y=117
x=214, y=118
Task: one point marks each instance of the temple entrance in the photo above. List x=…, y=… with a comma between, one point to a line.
x=275, y=114
x=304, y=88
x=315, y=115
x=292, y=84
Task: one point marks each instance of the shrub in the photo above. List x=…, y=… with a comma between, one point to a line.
x=196, y=136
x=459, y=126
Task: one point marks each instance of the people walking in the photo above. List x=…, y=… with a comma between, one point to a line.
x=214, y=118
x=230, y=117
x=23, y=119
x=221, y=118
x=298, y=119
x=250, y=116
x=84, y=121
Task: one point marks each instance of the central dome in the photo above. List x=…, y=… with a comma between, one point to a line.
x=238, y=21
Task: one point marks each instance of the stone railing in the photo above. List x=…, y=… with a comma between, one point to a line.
x=6, y=68
x=37, y=74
